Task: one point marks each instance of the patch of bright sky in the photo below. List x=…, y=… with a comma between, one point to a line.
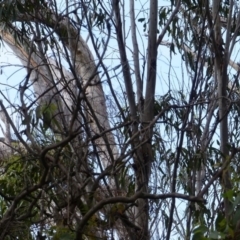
x=12, y=74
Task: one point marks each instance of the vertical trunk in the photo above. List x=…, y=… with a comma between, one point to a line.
x=220, y=65
x=139, y=82
x=144, y=166
x=143, y=156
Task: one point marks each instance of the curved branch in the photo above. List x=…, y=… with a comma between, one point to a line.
x=136, y=196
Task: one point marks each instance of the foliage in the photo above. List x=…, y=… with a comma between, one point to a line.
x=125, y=124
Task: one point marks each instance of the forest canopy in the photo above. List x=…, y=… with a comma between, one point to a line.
x=125, y=122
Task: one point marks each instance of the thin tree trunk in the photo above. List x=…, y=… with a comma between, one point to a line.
x=220, y=65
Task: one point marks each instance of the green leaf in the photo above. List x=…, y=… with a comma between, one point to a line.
x=141, y=19
x=200, y=229
x=214, y=234
x=228, y=194
x=229, y=231
x=220, y=223
x=198, y=236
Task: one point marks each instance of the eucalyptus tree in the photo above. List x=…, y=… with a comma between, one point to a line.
x=108, y=145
